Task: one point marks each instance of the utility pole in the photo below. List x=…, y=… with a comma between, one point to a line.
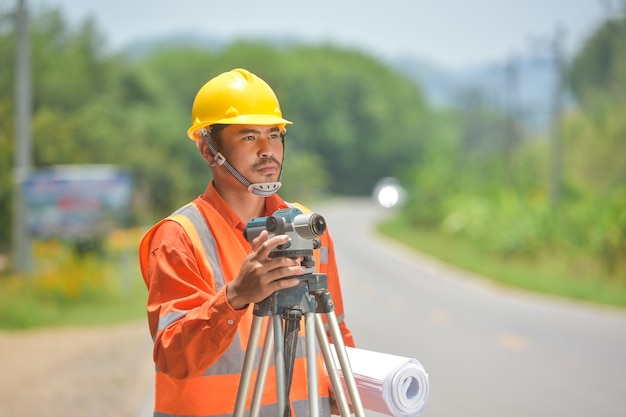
x=512, y=112
x=556, y=148
x=23, y=149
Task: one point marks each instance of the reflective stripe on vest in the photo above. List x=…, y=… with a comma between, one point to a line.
x=201, y=229
x=231, y=362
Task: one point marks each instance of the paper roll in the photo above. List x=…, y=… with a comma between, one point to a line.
x=388, y=384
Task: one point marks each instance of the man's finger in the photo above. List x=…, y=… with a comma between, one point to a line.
x=271, y=244
x=259, y=240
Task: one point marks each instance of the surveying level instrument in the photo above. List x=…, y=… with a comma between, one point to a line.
x=285, y=308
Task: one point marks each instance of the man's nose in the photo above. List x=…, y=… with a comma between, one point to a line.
x=264, y=148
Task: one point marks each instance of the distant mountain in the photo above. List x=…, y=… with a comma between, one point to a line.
x=143, y=47
x=524, y=87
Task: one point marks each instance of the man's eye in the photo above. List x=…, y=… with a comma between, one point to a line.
x=250, y=137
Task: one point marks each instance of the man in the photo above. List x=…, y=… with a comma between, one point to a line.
x=203, y=276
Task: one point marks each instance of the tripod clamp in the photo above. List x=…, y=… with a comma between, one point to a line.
x=304, y=295
x=309, y=298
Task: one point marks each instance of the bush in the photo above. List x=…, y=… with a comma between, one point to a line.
x=74, y=284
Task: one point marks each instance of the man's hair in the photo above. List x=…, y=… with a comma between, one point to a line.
x=216, y=133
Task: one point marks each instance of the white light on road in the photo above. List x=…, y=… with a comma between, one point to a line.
x=388, y=196
x=388, y=192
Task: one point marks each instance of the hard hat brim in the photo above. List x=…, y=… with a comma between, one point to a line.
x=247, y=119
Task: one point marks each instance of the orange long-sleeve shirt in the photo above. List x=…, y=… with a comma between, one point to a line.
x=190, y=319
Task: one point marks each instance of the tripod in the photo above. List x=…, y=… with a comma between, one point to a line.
x=310, y=298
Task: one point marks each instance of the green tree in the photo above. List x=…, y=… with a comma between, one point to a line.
x=355, y=119
x=599, y=68
x=363, y=119
x=594, y=143
x=595, y=134
x=67, y=74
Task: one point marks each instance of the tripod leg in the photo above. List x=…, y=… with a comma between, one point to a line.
x=292, y=317
x=279, y=349
x=311, y=361
x=259, y=385
x=346, y=369
x=333, y=373
x=248, y=365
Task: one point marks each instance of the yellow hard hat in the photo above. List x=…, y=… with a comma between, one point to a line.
x=235, y=97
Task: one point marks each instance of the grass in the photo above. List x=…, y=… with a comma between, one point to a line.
x=20, y=310
x=70, y=288
x=576, y=277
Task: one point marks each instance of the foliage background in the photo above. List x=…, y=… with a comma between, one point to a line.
x=356, y=120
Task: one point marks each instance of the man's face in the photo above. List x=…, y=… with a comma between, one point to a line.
x=255, y=151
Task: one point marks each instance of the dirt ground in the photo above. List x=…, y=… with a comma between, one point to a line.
x=76, y=372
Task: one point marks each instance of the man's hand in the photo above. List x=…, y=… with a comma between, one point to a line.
x=260, y=275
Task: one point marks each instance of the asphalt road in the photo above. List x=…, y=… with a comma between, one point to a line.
x=489, y=351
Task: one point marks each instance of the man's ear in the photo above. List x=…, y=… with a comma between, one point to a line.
x=205, y=151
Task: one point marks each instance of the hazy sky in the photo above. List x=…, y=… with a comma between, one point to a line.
x=449, y=33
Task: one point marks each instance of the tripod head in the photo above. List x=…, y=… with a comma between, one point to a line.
x=311, y=295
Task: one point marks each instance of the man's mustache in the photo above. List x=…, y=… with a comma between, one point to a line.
x=266, y=161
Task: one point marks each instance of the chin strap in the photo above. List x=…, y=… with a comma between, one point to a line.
x=263, y=189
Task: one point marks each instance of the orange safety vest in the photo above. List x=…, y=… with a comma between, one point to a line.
x=214, y=392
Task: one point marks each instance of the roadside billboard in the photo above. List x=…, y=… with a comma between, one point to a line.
x=76, y=201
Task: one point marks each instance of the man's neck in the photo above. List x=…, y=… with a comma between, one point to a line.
x=245, y=204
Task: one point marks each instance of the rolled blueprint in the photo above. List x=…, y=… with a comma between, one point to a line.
x=388, y=384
